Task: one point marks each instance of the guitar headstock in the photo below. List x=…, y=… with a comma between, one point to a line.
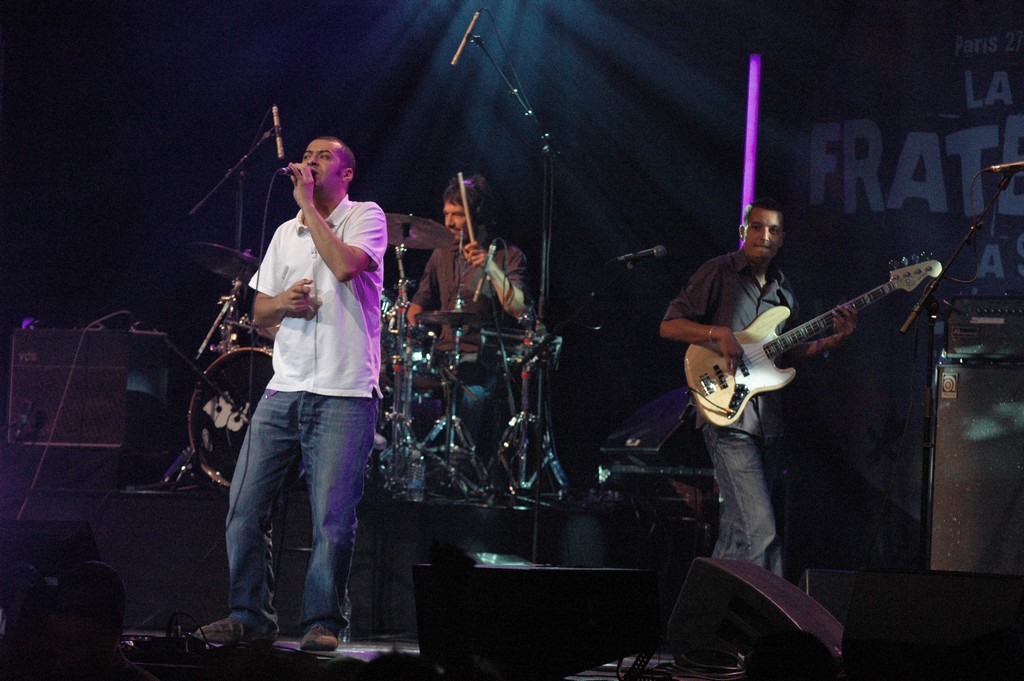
x=907, y=273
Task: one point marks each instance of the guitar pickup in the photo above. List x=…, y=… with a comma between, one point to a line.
x=723, y=378
x=743, y=369
x=739, y=393
x=707, y=385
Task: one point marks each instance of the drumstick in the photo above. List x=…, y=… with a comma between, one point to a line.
x=465, y=207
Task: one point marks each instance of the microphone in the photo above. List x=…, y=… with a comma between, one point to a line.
x=284, y=171
x=480, y=284
x=1014, y=167
x=277, y=131
x=656, y=252
x=462, y=45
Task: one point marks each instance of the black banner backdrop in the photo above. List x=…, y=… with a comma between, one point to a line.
x=913, y=105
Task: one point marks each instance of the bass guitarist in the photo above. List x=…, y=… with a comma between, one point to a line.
x=725, y=295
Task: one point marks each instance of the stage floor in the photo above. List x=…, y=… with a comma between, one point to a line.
x=168, y=546
x=167, y=668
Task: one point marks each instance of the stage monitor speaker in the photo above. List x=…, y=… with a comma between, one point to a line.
x=978, y=488
x=939, y=626
x=727, y=605
x=534, y=623
x=87, y=388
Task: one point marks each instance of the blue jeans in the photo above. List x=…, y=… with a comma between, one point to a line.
x=335, y=436
x=745, y=470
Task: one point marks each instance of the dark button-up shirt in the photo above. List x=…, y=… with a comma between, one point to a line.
x=724, y=292
x=447, y=273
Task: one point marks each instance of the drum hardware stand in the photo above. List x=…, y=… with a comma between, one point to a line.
x=457, y=442
x=403, y=448
x=516, y=442
x=225, y=322
x=513, y=455
x=181, y=472
x=183, y=467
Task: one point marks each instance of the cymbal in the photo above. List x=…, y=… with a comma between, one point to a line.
x=453, y=318
x=416, y=232
x=222, y=260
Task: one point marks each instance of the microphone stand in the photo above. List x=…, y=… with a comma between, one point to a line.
x=547, y=200
x=547, y=152
x=535, y=445
x=236, y=170
x=928, y=434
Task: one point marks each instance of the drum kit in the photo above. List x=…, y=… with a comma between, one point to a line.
x=226, y=392
x=445, y=461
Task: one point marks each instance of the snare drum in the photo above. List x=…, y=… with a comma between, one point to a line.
x=219, y=412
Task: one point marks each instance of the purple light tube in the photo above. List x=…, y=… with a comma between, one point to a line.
x=750, y=146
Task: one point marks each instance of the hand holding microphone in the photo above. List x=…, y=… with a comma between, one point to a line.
x=303, y=181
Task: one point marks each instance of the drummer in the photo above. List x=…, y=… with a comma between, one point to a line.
x=457, y=271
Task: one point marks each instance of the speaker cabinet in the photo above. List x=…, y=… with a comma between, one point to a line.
x=832, y=588
x=940, y=626
x=978, y=488
x=534, y=623
x=87, y=388
x=726, y=605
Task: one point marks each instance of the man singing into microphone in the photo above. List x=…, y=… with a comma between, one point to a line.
x=724, y=296
x=455, y=275
x=320, y=284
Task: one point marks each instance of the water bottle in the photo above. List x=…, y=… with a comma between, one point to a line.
x=417, y=477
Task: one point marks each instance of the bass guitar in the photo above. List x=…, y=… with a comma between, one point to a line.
x=720, y=396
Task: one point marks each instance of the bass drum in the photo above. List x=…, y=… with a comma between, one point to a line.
x=219, y=412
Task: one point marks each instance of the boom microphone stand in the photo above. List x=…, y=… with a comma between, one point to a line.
x=236, y=170
x=547, y=153
x=927, y=301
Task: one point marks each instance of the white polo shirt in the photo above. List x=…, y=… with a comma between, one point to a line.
x=337, y=352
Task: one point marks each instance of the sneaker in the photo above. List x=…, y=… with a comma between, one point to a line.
x=318, y=638
x=230, y=630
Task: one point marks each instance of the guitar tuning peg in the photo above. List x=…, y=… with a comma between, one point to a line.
x=893, y=265
x=905, y=261
x=915, y=258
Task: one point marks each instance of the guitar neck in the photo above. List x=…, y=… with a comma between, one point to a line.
x=822, y=323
